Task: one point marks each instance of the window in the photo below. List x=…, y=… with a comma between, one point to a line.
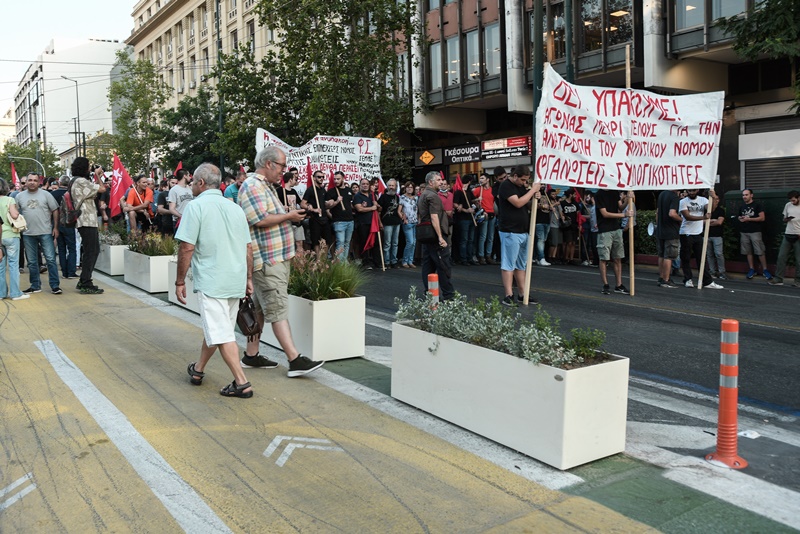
x=436, y=66
x=233, y=5
x=620, y=22
x=180, y=34
x=148, y=13
x=168, y=38
x=251, y=34
x=402, y=75
x=172, y=78
x=181, y=75
x=491, y=49
x=727, y=8
x=433, y=4
x=234, y=40
x=557, y=42
x=453, y=61
x=192, y=69
x=270, y=35
x=689, y=13
x=473, y=58
x=206, y=65
x=591, y=33
x=158, y=4
x=141, y=21
x=204, y=17
x=191, y=25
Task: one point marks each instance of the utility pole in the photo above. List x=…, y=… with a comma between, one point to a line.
x=78, y=108
x=219, y=95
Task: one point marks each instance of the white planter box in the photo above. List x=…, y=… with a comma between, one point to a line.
x=325, y=330
x=562, y=418
x=111, y=259
x=191, y=297
x=149, y=273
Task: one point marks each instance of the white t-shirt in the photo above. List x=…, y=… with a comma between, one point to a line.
x=696, y=207
x=181, y=196
x=793, y=226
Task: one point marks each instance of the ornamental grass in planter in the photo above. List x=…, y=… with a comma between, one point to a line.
x=147, y=261
x=316, y=276
x=152, y=244
x=116, y=234
x=517, y=382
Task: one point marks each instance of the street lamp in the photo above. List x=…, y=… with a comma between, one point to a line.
x=12, y=158
x=78, y=106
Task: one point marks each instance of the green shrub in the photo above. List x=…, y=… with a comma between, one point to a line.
x=491, y=325
x=152, y=244
x=315, y=276
x=116, y=234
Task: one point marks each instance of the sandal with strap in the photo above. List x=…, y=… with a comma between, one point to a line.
x=234, y=390
x=193, y=373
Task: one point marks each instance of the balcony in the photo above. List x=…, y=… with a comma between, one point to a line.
x=203, y=34
x=231, y=14
x=191, y=42
x=248, y=5
x=180, y=49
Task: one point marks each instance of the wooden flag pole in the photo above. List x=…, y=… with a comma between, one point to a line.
x=529, y=264
x=380, y=249
x=631, y=265
x=706, y=228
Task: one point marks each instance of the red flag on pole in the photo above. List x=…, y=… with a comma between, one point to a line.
x=14, y=177
x=331, y=182
x=179, y=167
x=309, y=181
x=459, y=185
x=374, y=228
x=119, y=184
x=381, y=186
x=153, y=174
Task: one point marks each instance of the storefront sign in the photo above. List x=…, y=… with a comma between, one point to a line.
x=462, y=154
x=510, y=147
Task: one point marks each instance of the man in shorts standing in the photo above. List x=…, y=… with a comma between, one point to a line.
x=512, y=198
x=609, y=236
x=751, y=242
x=215, y=240
x=273, y=247
x=668, y=219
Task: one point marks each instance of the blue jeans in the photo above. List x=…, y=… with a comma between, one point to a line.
x=466, y=239
x=391, y=235
x=410, y=231
x=10, y=263
x=32, y=243
x=789, y=244
x=485, y=237
x=343, y=230
x=714, y=255
x=541, y=236
x=66, y=251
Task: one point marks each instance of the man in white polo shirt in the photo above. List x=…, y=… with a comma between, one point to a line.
x=215, y=239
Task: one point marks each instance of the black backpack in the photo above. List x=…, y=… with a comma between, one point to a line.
x=68, y=214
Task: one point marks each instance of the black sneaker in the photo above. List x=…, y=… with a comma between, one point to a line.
x=606, y=290
x=90, y=289
x=668, y=284
x=531, y=300
x=508, y=301
x=302, y=366
x=57, y=291
x=31, y=290
x=257, y=362
x=621, y=289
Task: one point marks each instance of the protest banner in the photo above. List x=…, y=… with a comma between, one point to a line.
x=356, y=157
x=606, y=138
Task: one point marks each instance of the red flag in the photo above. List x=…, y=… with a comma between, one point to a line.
x=374, y=228
x=578, y=199
x=153, y=174
x=119, y=184
x=459, y=185
x=241, y=169
x=179, y=167
x=309, y=181
x=14, y=177
x=331, y=182
x=381, y=186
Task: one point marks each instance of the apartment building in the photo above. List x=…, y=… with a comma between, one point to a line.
x=474, y=70
x=48, y=107
x=180, y=37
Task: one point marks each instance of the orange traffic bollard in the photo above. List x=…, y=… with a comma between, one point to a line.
x=727, y=437
x=433, y=289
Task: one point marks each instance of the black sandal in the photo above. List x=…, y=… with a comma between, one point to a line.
x=234, y=390
x=193, y=373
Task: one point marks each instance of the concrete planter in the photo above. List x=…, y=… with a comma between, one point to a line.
x=192, y=303
x=111, y=259
x=325, y=330
x=149, y=273
x=562, y=418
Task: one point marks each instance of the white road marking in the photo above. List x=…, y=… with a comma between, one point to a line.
x=14, y=485
x=296, y=443
x=179, y=498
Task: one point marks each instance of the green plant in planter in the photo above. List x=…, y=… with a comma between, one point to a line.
x=153, y=244
x=116, y=234
x=315, y=276
x=490, y=325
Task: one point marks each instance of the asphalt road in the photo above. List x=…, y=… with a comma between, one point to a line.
x=670, y=335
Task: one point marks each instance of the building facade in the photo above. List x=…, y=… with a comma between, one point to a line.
x=49, y=107
x=474, y=77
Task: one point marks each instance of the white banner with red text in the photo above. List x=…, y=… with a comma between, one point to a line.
x=607, y=138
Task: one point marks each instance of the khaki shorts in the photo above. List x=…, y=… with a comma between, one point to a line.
x=270, y=291
x=751, y=244
x=609, y=245
x=668, y=248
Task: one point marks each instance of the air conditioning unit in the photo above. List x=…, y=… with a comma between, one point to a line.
x=203, y=77
x=180, y=89
x=192, y=84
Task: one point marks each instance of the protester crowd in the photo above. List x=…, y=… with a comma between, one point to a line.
x=239, y=235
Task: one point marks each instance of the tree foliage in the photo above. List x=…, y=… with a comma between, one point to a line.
x=330, y=71
x=188, y=131
x=100, y=148
x=47, y=156
x=138, y=95
x=772, y=30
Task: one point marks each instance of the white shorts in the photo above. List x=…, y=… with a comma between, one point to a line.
x=219, y=319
